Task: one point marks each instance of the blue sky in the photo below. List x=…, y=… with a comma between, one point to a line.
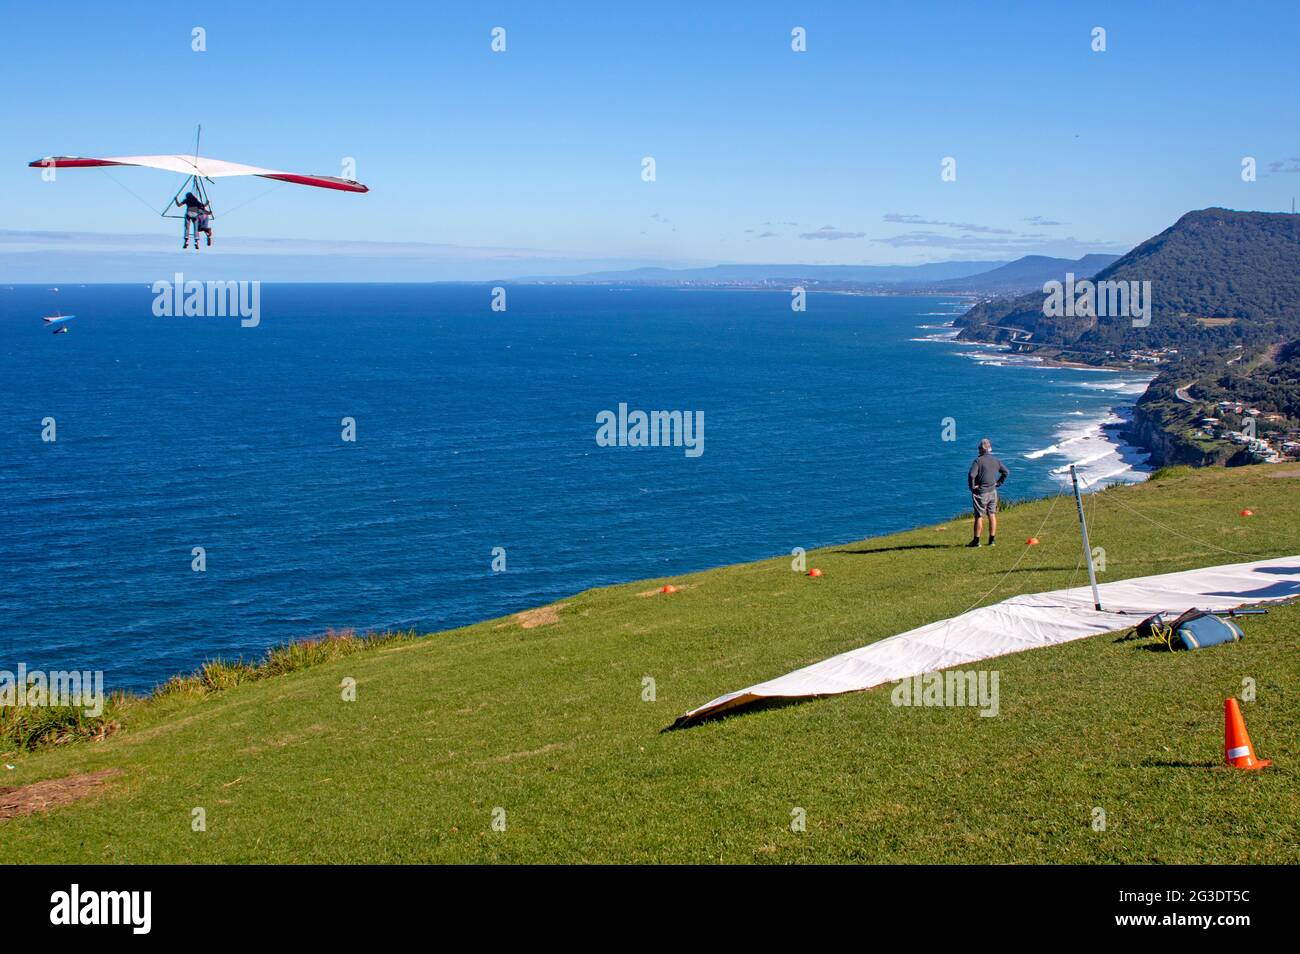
x=537, y=151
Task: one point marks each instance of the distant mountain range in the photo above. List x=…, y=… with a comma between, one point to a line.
x=973, y=278
x=91, y=258
x=782, y=274
x=1026, y=274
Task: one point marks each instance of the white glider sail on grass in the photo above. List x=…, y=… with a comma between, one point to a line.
x=1023, y=622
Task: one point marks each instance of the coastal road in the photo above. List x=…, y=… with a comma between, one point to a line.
x=1183, y=396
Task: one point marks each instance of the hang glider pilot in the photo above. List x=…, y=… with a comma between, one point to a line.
x=198, y=218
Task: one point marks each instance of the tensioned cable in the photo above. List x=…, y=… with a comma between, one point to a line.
x=1179, y=533
x=226, y=213
x=1001, y=579
x=143, y=202
x=1019, y=559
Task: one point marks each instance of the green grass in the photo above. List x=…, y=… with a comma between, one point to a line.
x=34, y=727
x=30, y=728
x=550, y=725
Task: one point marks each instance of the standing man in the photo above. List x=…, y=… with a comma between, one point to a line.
x=986, y=475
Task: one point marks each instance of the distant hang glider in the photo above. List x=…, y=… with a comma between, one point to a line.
x=57, y=321
x=199, y=166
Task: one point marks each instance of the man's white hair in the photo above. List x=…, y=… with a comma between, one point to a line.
x=986, y=445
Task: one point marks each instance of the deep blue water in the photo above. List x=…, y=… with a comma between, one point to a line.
x=475, y=429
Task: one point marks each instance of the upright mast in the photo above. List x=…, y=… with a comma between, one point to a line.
x=198, y=181
x=1087, y=547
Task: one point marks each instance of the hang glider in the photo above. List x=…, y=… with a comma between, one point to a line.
x=1022, y=622
x=197, y=209
x=58, y=322
x=199, y=166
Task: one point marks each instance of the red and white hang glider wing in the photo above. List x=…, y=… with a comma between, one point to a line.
x=198, y=165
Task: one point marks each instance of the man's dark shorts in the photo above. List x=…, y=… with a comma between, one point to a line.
x=985, y=501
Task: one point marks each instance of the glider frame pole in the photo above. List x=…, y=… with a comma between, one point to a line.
x=193, y=183
x=1087, y=547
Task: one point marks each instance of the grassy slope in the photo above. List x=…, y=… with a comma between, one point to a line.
x=549, y=724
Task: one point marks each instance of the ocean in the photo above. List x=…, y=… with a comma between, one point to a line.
x=475, y=443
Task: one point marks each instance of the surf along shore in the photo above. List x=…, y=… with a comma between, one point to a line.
x=1104, y=447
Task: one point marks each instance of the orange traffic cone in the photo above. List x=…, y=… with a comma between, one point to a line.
x=669, y=588
x=814, y=572
x=1237, y=750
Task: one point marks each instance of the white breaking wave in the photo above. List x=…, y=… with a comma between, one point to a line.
x=1058, y=447
x=944, y=337
x=1001, y=359
x=1095, y=448
x=1133, y=388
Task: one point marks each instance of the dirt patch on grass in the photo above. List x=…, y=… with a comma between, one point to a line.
x=515, y=756
x=52, y=793
x=542, y=616
x=284, y=740
x=1288, y=472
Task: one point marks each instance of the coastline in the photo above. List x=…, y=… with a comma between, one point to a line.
x=1104, y=441
x=1127, y=432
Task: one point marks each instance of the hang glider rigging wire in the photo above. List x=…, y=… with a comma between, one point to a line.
x=1179, y=533
x=1019, y=559
x=121, y=185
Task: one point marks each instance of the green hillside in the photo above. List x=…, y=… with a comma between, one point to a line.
x=1219, y=278
x=550, y=723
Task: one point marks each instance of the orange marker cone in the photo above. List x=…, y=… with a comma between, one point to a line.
x=1237, y=750
x=814, y=572
x=669, y=589
x=1248, y=513
x=1032, y=542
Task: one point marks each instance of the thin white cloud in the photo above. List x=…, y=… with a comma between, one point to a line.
x=830, y=233
x=898, y=218
x=1035, y=244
